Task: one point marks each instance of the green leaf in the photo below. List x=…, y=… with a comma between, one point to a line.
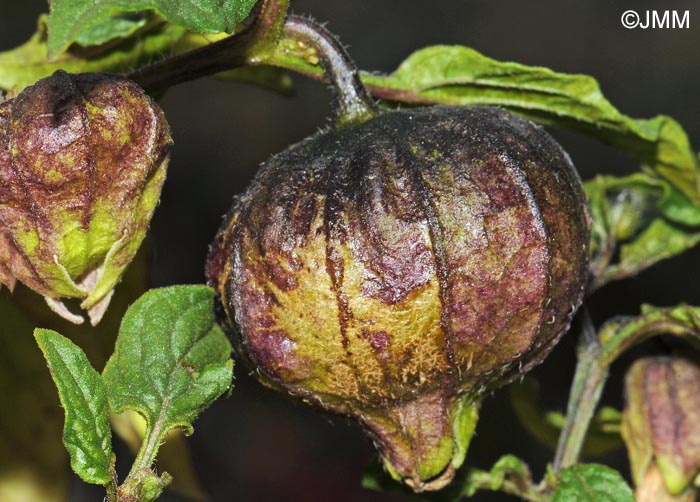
x=659, y=240
x=113, y=27
x=455, y=75
x=70, y=18
x=24, y=65
x=86, y=432
x=627, y=217
x=592, y=483
x=170, y=362
x=678, y=208
x=29, y=62
x=618, y=205
x=31, y=421
x=619, y=334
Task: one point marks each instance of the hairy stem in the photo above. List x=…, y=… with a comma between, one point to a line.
x=298, y=44
x=269, y=40
x=587, y=387
x=141, y=470
x=147, y=453
x=112, y=486
x=260, y=36
x=352, y=101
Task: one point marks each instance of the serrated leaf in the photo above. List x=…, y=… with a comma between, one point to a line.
x=110, y=28
x=86, y=432
x=24, y=65
x=592, y=483
x=456, y=75
x=171, y=360
x=69, y=18
x=31, y=419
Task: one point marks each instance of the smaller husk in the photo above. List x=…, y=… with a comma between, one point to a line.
x=82, y=162
x=661, y=422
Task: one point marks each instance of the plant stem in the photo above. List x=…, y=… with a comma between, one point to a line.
x=586, y=390
x=147, y=453
x=260, y=36
x=268, y=39
x=146, y=456
x=596, y=352
x=352, y=101
x=111, y=487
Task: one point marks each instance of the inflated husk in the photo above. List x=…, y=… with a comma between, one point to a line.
x=397, y=270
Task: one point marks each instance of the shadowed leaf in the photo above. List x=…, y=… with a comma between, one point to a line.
x=86, y=432
x=27, y=63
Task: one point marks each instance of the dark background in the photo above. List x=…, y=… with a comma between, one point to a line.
x=260, y=446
